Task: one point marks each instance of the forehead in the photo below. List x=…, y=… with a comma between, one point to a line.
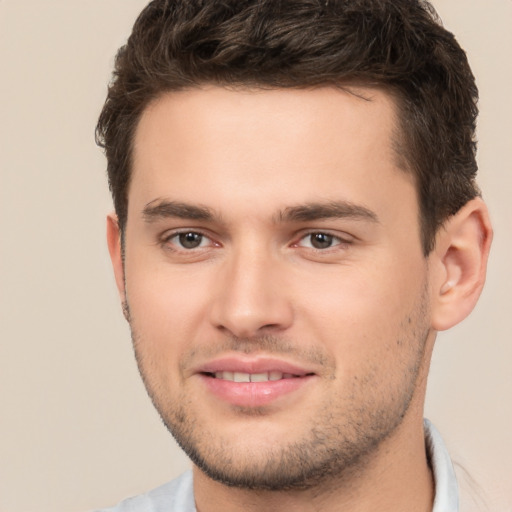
x=284, y=145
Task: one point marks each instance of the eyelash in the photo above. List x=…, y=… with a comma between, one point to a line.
x=336, y=241
x=167, y=239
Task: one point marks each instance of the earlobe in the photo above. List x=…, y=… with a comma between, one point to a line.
x=115, y=250
x=459, y=264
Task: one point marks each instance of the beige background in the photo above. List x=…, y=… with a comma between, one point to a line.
x=76, y=428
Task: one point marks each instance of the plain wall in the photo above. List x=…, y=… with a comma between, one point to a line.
x=76, y=428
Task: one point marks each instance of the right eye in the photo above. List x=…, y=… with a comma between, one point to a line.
x=319, y=241
x=188, y=240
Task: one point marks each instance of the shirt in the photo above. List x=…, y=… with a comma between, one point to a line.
x=178, y=495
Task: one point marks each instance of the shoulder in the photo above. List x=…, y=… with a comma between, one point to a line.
x=174, y=496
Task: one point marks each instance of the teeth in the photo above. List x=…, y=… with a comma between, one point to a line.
x=252, y=377
x=224, y=375
x=241, y=377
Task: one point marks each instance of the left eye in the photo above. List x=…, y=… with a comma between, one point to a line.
x=319, y=241
x=189, y=240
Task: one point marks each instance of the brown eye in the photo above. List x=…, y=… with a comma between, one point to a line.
x=190, y=240
x=321, y=240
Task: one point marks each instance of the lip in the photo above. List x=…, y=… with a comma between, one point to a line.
x=253, y=394
x=252, y=365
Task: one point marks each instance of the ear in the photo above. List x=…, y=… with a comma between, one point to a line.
x=116, y=255
x=459, y=263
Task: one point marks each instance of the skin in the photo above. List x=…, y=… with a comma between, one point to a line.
x=255, y=175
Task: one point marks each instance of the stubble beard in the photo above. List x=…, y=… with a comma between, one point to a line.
x=342, y=439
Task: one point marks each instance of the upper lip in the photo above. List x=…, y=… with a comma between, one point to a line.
x=252, y=365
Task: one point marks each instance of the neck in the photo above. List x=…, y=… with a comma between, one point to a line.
x=397, y=478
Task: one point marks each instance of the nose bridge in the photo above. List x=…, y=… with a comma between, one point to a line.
x=251, y=294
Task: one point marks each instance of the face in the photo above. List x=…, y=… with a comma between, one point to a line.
x=275, y=282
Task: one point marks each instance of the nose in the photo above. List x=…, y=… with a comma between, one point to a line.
x=252, y=298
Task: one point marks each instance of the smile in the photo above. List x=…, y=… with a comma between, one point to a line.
x=253, y=377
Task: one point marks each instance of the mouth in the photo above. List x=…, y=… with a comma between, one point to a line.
x=271, y=376
x=254, y=383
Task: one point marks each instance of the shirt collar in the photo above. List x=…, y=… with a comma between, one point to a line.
x=446, y=489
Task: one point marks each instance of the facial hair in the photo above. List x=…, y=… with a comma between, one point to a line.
x=342, y=437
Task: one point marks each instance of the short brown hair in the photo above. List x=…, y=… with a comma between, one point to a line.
x=399, y=45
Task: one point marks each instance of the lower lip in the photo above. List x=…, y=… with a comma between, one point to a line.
x=254, y=394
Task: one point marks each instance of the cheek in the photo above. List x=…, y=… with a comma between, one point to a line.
x=363, y=313
x=166, y=307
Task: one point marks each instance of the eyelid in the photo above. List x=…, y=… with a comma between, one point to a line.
x=342, y=238
x=166, y=237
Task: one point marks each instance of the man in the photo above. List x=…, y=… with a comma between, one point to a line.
x=296, y=217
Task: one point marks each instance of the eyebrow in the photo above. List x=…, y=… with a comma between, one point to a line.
x=162, y=209
x=330, y=210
